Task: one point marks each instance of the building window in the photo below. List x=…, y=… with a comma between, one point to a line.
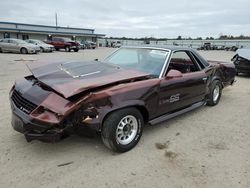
x=25, y=37
x=6, y=35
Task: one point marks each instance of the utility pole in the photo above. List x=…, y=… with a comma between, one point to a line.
x=56, y=20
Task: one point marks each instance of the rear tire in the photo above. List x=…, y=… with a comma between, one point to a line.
x=122, y=129
x=24, y=51
x=1, y=51
x=215, y=93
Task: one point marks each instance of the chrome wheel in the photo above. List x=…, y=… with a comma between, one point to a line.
x=126, y=130
x=216, y=93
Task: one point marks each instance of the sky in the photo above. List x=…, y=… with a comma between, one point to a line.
x=136, y=18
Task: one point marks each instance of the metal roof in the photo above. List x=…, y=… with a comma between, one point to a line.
x=15, y=23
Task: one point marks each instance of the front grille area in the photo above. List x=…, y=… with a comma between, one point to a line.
x=244, y=63
x=22, y=103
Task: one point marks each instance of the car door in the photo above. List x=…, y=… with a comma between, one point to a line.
x=13, y=46
x=56, y=42
x=179, y=92
x=4, y=44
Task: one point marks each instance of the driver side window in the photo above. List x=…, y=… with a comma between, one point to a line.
x=181, y=61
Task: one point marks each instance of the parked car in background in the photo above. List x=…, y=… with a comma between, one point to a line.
x=42, y=45
x=116, y=44
x=221, y=47
x=64, y=43
x=18, y=46
x=242, y=61
x=89, y=44
x=81, y=45
x=131, y=87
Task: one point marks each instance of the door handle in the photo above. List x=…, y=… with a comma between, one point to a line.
x=205, y=79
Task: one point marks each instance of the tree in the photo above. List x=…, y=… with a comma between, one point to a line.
x=179, y=37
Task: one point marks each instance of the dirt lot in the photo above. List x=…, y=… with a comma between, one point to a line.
x=209, y=147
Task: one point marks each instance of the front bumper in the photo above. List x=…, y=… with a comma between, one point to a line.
x=32, y=130
x=242, y=69
x=33, y=51
x=74, y=47
x=49, y=49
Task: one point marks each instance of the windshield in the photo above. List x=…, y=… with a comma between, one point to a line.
x=146, y=60
x=37, y=41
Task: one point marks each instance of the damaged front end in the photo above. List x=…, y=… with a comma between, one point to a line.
x=47, y=118
x=60, y=99
x=242, y=61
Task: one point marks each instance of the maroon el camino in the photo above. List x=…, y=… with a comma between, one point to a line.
x=132, y=87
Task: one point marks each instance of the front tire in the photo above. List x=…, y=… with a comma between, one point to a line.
x=67, y=49
x=24, y=51
x=1, y=51
x=215, y=93
x=76, y=50
x=42, y=49
x=122, y=129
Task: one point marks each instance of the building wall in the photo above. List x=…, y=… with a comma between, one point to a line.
x=84, y=38
x=41, y=32
x=35, y=36
x=44, y=28
x=44, y=36
x=12, y=35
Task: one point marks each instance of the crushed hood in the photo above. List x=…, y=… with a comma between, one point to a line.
x=244, y=53
x=71, y=78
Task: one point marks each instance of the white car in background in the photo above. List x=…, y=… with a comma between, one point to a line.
x=42, y=45
x=18, y=46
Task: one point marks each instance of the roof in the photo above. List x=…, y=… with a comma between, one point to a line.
x=24, y=24
x=166, y=47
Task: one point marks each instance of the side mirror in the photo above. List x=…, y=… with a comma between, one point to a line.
x=174, y=74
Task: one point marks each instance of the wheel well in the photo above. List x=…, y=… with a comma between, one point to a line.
x=142, y=110
x=22, y=48
x=144, y=113
x=218, y=79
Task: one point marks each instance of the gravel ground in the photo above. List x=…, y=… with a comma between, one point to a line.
x=208, y=147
